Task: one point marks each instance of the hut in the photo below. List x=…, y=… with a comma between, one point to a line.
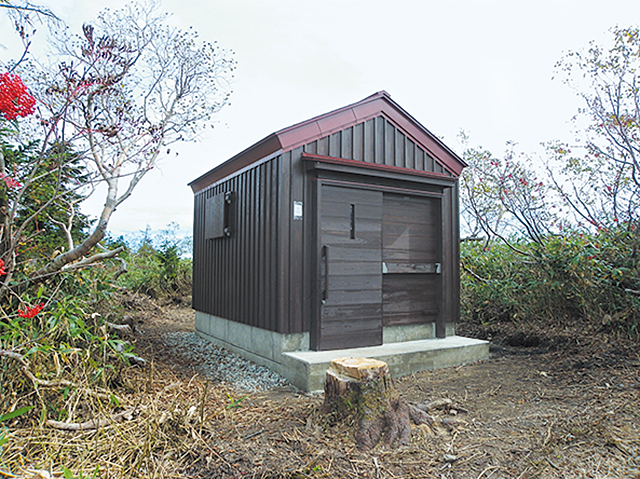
x=337, y=236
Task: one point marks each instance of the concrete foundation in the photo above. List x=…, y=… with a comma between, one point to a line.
x=406, y=349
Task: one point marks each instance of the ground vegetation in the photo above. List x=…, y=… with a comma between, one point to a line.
x=550, y=274
x=94, y=120
x=562, y=243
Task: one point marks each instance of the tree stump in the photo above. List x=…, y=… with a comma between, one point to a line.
x=364, y=386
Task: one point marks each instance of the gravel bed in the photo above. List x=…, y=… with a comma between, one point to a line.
x=220, y=365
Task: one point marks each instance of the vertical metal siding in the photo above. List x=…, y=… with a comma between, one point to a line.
x=358, y=141
x=284, y=202
x=237, y=277
x=261, y=275
x=369, y=141
x=379, y=145
x=376, y=141
x=296, y=245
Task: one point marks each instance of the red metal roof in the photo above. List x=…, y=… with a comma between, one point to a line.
x=378, y=104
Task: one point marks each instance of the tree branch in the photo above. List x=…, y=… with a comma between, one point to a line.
x=93, y=424
x=92, y=260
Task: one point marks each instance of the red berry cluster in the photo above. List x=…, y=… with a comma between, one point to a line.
x=11, y=182
x=15, y=100
x=2, y=270
x=31, y=312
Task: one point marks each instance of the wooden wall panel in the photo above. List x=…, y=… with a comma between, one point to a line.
x=410, y=299
x=411, y=229
x=350, y=227
x=411, y=236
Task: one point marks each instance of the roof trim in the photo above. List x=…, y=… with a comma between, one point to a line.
x=388, y=169
x=297, y=135
x=255, y=153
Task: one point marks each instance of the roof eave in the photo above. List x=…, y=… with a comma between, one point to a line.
x=265, y=147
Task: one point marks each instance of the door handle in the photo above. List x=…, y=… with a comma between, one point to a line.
x=325, y=260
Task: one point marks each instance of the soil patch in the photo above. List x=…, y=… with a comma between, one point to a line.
x=548, y=403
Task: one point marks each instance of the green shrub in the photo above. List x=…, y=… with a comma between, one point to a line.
x=574, y=277
x=157, y=266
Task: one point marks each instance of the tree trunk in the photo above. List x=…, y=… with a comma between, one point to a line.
x=364, y=386
x=93, y=239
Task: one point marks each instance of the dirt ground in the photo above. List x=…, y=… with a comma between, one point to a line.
x=549, y=403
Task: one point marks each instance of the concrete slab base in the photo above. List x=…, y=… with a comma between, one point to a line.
x=406, y=350
x=306, y=369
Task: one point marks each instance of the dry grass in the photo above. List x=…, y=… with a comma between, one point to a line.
x=569, y=413
x=161, y=435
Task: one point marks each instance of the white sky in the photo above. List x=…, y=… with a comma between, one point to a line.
x=483, y=66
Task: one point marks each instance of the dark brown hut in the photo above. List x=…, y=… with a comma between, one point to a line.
x=337, y=232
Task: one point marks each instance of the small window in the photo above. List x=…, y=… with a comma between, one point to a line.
x=218, y=216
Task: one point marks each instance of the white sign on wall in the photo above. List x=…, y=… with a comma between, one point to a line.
x=297, y=210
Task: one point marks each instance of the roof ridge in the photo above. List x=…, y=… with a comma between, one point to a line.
x=320, y=126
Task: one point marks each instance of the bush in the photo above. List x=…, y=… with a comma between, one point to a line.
x=158, y=266
x=570, y=278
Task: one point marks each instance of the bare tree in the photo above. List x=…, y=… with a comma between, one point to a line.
x=119, y=94
x=25, y=15
x=600, y=180
x=503, y=197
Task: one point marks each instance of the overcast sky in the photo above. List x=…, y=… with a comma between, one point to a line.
x=481, y=66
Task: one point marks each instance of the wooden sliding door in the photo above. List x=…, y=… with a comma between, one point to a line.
x=350, y=268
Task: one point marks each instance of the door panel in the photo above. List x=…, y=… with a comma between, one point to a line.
x=410, y=298
x=350, y=268
x=411, y=285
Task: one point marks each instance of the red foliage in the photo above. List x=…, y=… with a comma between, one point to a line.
x=30, y=312
x=15, y=100
x=11, y=183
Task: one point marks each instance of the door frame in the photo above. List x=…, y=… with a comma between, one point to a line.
x=314, y=243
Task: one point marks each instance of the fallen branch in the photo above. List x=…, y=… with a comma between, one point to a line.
x=6, y=474
x=436, y=404
x=25, y=369
x=12, y=355
x=47, y=383
x=632, y=291
x=91, y=425
x=121, y=328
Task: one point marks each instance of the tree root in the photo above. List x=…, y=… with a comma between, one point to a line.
x=395, y=425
